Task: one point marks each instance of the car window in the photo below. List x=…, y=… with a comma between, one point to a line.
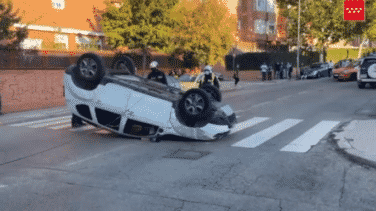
x=368, y=62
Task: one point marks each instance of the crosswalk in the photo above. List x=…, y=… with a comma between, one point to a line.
x=301, y=144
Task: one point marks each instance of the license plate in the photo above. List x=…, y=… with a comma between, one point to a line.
x=227, y=109
x=335, y=74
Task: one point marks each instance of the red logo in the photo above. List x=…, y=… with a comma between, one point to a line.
x=353, y=10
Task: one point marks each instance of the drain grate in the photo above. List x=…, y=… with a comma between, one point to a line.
x=187, y=154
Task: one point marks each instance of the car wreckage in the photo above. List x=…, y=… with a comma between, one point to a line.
x=120, y=101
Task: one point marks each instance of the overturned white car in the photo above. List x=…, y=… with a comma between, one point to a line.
x=120, y=101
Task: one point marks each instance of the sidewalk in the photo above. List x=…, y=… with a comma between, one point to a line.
x=358, y=141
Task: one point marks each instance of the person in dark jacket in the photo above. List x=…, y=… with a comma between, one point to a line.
x=156, y=75
x=289, y=69
x=276, y=66
x=281, y=68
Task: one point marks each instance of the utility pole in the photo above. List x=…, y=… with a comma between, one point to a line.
x=266, y=23
x=298, y=51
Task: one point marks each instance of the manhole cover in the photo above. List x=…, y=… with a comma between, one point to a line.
x=187, y=154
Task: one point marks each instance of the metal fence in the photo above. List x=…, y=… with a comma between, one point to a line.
x=43, y=60
x=253, y=61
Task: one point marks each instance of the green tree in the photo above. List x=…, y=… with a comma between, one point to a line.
x=323, y=20
x=12, y=37
x=139, y=24
x=204, y=30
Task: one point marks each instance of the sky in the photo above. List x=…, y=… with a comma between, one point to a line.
x=231, y=4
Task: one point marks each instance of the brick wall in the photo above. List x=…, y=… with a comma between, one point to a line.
x=23, y=90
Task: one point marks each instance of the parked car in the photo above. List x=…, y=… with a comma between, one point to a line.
x=317, y=70
x=122, y=102
x=367, y=72
x=348, y=72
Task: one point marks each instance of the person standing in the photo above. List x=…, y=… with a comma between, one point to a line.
x=270, y=71
x=331, y=66
x=209, y=77
x=264, y=69
x=290, y=69
x=156, y=74
x=281, y=69
x=276, y=69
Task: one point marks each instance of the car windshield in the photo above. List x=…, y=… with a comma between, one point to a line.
x=368, y=62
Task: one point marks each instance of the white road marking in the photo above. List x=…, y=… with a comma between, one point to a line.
x=303, y=92
x=40, y=121
x=254, y=106
x=311, y=137
x=246, y=124
x=284, y=98
x=61, y=126
x=264, y=135
x=3, y=186
x=50, y=123
x=88, y=158
x=89, y=127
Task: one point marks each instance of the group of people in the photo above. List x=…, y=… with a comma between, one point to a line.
x=279, y=69
x=158, y=76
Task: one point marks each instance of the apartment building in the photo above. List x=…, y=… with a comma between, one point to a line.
x=64, y=24
x=260, y=21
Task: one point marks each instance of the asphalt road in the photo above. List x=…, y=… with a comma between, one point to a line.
x=280, y=156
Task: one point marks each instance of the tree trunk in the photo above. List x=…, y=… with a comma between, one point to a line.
x=143, y=60
x=361, y=46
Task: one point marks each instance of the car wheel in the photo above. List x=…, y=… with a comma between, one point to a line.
x=213, y=91
x=361, y=85
x=195, y=108
x=124, y=63
x=76, y=121
x=89, y=71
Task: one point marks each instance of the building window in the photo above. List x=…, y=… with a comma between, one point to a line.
x=271, y=27
x=58, y=4
x=31, y=43
x=87, y=43
x=260, y=27
x=263, y=5
x=61, y=41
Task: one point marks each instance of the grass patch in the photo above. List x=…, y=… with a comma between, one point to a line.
x=336, y=54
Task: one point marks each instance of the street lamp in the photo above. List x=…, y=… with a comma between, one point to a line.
x=298, y=51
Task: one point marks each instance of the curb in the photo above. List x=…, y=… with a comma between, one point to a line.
x=344, y=147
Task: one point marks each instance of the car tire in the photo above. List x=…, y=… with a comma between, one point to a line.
x=195, y=108
x=89, y=71
x=125, y=63
x=213, y=91
x=361, y=85
x=76, y=121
